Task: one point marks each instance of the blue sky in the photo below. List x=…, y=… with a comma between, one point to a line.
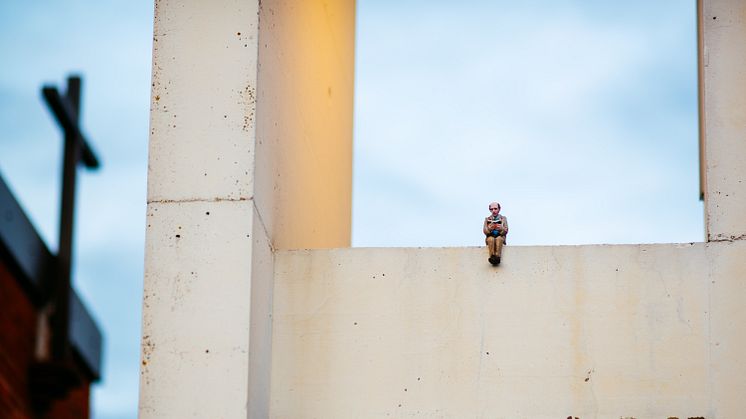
x=109, y=43
x=581, y=119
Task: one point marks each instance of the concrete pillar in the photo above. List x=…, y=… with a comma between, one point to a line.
x=304, y=127
x=723, y=107
x=250, y=148
x=201, y=227
x=722, y=27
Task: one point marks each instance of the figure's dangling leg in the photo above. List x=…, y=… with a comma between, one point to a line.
x=492, y=249
x=499, y=241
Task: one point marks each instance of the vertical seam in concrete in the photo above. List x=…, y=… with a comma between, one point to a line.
x=701, y=104
x=251, y=413
x=710, y=364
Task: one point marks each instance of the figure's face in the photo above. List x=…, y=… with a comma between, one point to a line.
x=494, y=209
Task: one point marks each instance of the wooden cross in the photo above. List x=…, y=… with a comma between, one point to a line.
x=66, y=110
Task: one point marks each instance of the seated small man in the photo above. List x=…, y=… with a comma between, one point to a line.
x=495, y=229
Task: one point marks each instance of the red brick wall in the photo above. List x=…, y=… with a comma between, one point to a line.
x=17, y=336
x=75, y=406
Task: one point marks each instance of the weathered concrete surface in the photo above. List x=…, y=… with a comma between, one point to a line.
x=304, y=122
x=586, y=331
x=260, y=347
x=727, y=324
x=208, y=262
x=724, y=118
x=243, y=134
x=196, y=281
x=202, y=101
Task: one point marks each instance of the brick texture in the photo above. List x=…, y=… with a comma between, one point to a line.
x=17, y=336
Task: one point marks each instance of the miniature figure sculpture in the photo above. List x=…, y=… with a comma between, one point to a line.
x=496, y=229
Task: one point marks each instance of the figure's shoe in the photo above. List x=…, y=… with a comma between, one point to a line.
x=494, y=260
x=497, y=260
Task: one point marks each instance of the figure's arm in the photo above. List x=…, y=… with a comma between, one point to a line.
x=505, y=226
x=485, y=228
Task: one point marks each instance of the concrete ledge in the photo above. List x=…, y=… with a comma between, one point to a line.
x=586, y=331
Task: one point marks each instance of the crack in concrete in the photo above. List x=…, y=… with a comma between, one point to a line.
x=193, y=200
x=272, y=248
x=728, y=239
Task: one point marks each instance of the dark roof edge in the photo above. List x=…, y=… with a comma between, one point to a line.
x=31, y=263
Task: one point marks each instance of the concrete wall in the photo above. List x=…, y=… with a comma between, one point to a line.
x=638, y=331
x=197, y=281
